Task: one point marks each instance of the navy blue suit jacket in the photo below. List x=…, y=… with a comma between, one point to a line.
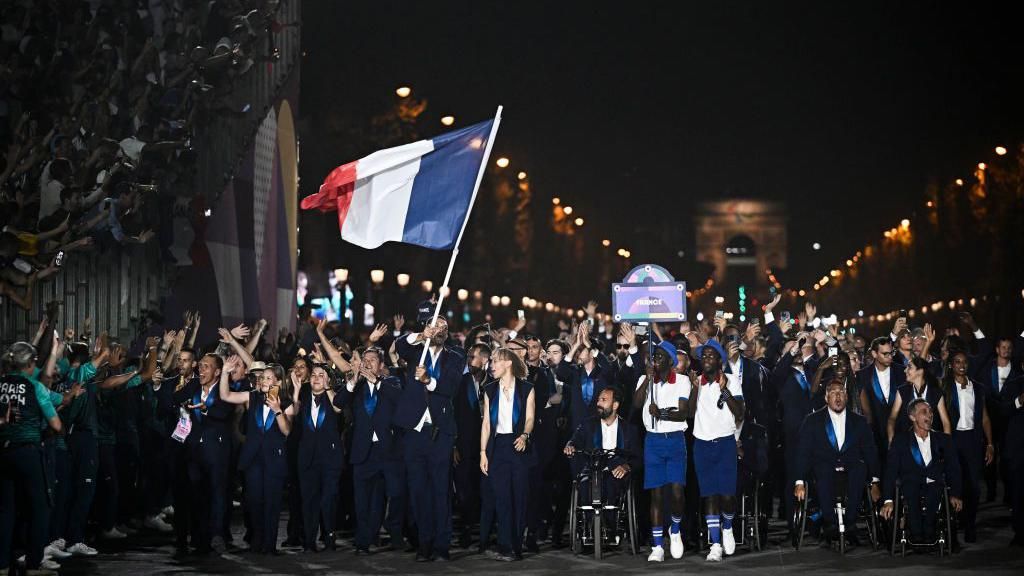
x=364, y=425
x=758, y=396
x=796, y=403
x=902, y=464
x=818, y=452
x=981, y=394
x=469, y=416
x=323, y=441
x=1013, y=449
x=880, y=409
x=587, y=436
x=573, y=392
x=415, y=398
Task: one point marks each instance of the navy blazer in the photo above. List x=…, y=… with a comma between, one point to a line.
x=469, y=408
x=572, y=392
x=818, y=449
x=758, y=396
x=365, y=425
x=903, y=464
x=264, y=441
x=520, y=397
x=987, y=374
x=880, y=409
x=1013, y=449
x=415, y=399
x=322, y=442
x=796, y=402
x=587, y=436
x=980, y=397
x=212, y=425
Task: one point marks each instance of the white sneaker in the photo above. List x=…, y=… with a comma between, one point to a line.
x=157, y=523
x=728, y=542
x=59, y=543
x=676, y=544
x=168, y=511
x=52, y=551
x=113, y=534
x=715, y=555
x=48, y=564
x=657, y=554
x=83, y=549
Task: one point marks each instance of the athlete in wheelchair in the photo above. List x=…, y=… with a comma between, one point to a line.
x=922, y=485
x=603, y=511
x=837, y=450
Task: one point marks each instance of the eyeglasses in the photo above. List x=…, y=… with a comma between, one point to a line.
x=622, y=346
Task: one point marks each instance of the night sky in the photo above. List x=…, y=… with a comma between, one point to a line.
x=844, y=111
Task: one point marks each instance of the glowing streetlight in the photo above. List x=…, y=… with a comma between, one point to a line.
x=606, y=243
x=802, y=292
x=627, y=254
x=526, y=301
x=427, y=285
x=502, y=162
x=341, y=274
x=505, y=300
x=445, y=291
x=403, y=91
x=377, y=276
x=981, y=166
x=556, y=200
x=959, y=181
x=816, y=246
x=521, y=175
x=567, y=210
x=549, y=306
x=579, y=221
x=1000, y=151
x=905, y=223
x=463, y=294
x=448, y=120
x=403, y=280
x=495, y=300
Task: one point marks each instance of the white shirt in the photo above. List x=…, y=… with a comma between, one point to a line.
x=411, y=339
x=839, y=425
x=883, y=381
x=610, y=435
x=266, y=412
x=966, y=400
x=371, y=389
x=710, y=421
x=314, y=410
x=1002, y=373
x=505, y=400
x=205, y=393
x=925, y=444
x=665, y=395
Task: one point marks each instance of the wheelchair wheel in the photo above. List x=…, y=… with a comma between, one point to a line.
x=896, y=509
x=948, y=521
x=872, y=519
x=634, y=546
x=800, y=521
x=575, y=536
x=598, y=536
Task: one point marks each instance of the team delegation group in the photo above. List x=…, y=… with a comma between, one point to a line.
x=409, y=428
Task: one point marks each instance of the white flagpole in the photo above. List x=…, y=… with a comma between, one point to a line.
x=458, y=240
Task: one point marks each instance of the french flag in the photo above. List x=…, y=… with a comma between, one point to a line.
x=418, y=193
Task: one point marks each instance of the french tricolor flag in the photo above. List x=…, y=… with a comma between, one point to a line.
x=418, y=193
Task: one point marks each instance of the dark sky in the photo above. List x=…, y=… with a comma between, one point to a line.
x=844, y=111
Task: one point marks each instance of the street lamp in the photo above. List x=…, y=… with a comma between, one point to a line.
x=403, y=91
x=521, y=175
x=502, y=162
x=448, y=120
x=427, y=286
x=567, y=210
x=606, y=243
x=463, y=294
x=505, y=300
x=341, y=274
x=579, y=221
x=377, y=276
x=495, y=300
x=556, y=200
x=1000, y=151
x=905, y=223
x=403, y=280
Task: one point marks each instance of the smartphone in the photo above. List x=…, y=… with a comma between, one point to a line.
x=785, y=316
x=902, y=314
x=59, y=260
x=521, y=314
x=833, y=351
x=719, y=314
x=732, y=338
x=755, y=321
x=274, y=391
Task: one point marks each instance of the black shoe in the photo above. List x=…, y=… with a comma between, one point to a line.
x=422, y=558
x=852, y=541
x=504, y=558
x=556, y=542
x=310, y=549
x=970, y=536
x=218, y=545
x=531, y=545
x=292, y=543
x=362, y=551
x=441, y=557
x=465, y=540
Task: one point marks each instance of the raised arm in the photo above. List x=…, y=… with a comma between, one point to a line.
x=224, y=387
x=331, y=351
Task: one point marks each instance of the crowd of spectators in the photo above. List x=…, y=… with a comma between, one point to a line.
x=99, y=104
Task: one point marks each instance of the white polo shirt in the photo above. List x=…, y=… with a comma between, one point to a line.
x=710, y=421
x=665, y=395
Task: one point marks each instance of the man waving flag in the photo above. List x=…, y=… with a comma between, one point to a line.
x=418, y=193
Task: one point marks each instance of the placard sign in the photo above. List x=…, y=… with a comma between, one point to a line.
x=649, y=294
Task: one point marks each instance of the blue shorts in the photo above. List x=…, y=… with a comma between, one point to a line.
x=664, y=459
x=715, y=464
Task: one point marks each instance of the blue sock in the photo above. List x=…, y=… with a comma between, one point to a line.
x=675, y=528
x=714, y=529
x=727, y=521
x=657, y=535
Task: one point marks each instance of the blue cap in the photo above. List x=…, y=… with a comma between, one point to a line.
x=425, y=311
x=668, y=347
x=713, y=344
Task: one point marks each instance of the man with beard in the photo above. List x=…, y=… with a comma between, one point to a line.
x=878, y=383
x=468, y=415
x=608, y=431
x=830, y=439
x=426, y=414
x=627, y=365
x=664, y=396
x=718, y=411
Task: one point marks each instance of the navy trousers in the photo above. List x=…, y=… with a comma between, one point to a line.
x=263, y=498
x=509, y=475
x=825, y=478
x=428, y=469
x=208, y=483
x=373, y=480
x=21, y=475
x=970, y=450
x=319, y=489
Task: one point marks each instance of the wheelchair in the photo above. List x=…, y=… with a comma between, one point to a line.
x=868, y=512
x=944, y=534
x=586, y=507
